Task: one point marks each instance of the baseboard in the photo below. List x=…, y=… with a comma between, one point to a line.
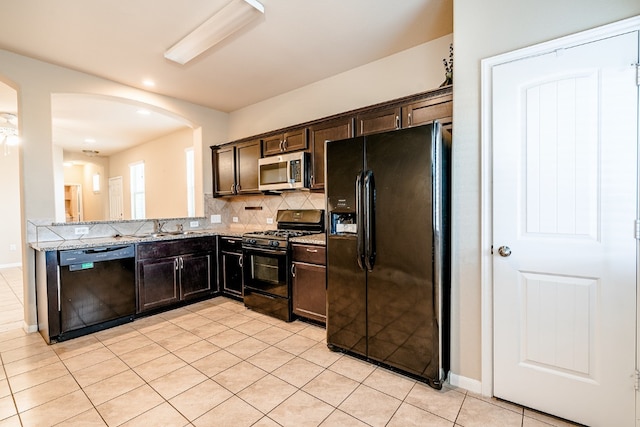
x=468, y=384
x=14, y=265
x=30, y=328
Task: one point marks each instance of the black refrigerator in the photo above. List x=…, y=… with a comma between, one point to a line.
x=388, y=239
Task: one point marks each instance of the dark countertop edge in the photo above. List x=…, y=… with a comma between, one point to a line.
x=60, y=245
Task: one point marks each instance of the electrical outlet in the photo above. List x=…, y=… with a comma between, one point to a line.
x=269, y=220
x=194, y=224
x=13, y=247
x=81, y=230
x=234, y=219
x=216, y=219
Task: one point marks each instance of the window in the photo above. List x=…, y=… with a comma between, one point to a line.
x=137, y=190
x=191, y=186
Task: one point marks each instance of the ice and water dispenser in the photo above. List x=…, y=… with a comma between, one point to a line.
x=343, y=223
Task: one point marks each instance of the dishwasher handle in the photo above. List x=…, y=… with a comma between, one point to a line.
x=98, y=254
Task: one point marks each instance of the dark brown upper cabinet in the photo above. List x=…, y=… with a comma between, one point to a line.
x=422, y=112
x=319, y=133
x=235, y=168
x=377, y=121
x=293, y=140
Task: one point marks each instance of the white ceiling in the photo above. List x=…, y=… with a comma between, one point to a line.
x=295, y=43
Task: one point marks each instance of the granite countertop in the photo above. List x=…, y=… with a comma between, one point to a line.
x=60, y=245
x=311, y=239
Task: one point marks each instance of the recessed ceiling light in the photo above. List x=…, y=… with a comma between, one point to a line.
x=144, y=112
x=90, y=140
x=149, y=83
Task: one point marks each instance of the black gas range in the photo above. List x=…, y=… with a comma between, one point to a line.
x=267, y=285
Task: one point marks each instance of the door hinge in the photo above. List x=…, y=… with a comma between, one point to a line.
x=636, y=231
x=637, y=74
x=636, y=380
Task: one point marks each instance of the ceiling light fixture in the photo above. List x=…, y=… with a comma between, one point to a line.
x=8, y=132
x=227, y=21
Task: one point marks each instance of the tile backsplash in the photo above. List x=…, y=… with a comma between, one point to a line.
x=261, y=208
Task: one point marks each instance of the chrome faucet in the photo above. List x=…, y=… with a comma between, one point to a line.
x=179, y=228
x=157, y=226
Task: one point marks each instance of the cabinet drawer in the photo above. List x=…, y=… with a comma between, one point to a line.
x=230, y=244
x=310, y=254
x=161, y=249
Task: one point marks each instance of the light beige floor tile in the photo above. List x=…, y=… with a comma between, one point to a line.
x=7, y=407
x=298, y=372
x=196, y=351
x=267, y=393
x=266, y=422
x=547, y=419
x=209, y=329
x=340, y=419
x=119, y=333
x=192, y=321
x=410, y=416
x=25, y=352
x=37, y=376
x=4, y=388
x=477, y=412
x=391, y=383
x=232, y=412
x=13, y=421
x=175, y=315
x=252, y=327
x=371, y=406
x=178, y=381
x=296, y=344
x=216, y=313
x=14, y=339
x=226, y=338
x=321, y=355
x=90, y=418
x=234, y=320
x=445, y=403
x=532, y=422
x=352, y=368
x=144, y=355
x=179, y=341
x=34, y=362
x=301, y=410
x=77, y=346
x=130, y=344
x=331, y=387
x=247, y=347
x=163, y=415
x=90, y=358
x=129, y=405
x=99, y=371
x=56, y=411
x=43, y=393
x=316, y=333
x=112, y=387
x=148, y=324
x=239, y=376
x=272, y=335
x=200, y=399
x=270, y=358
x=159, y=367
x=216, y=362
x=294, y=327
x=499, y=402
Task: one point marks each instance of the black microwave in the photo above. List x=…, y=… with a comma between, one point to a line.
x=284, y=172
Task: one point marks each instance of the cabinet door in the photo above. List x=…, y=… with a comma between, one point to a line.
x=158, y=283
x=295, y=140
x=378, y=121
x=247, y=155
x=309, y=291
x=195, y=275
x=224, y=171
x=272, y=144
x=319, y=134
x=231, y=274
x=422, y=112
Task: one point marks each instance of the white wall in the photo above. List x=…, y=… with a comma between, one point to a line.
x=412, y=71
x=10, y=238
x=484, y=29
x=165, y=174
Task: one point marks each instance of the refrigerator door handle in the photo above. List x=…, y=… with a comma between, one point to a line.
x=369, y=221
x=360, y=220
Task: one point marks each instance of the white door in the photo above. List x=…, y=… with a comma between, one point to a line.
x=115, y=199
x=565, y=200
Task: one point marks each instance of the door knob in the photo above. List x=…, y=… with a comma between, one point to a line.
x=504, y=251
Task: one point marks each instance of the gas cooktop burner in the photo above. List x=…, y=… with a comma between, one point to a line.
x=281, y=233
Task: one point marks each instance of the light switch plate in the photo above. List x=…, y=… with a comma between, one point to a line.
x=216, y=219
x=234, y=219
x=194, y=224
x=269, y=220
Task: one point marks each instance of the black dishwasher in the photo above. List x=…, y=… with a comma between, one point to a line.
x=96, y=289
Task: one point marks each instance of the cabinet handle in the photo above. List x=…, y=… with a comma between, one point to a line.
x=238, y=187
x=293, y=270
x=281, y=145
x=175, y=263
x=181, y=264
x=409, y=119
x=241, y=261
x=233, y=186
x=284, y=145
x=313, y=251
x=397, y=122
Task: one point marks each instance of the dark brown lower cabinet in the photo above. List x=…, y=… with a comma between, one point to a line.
x=230, y=262
x=309, y=280
x=170, y=272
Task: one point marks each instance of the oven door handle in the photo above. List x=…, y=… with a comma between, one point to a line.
x=264, y=251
